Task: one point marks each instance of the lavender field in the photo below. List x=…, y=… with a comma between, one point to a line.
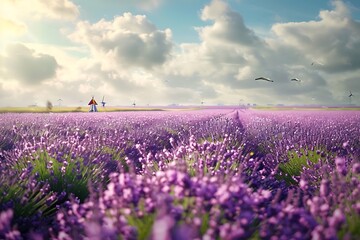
x=206, y=174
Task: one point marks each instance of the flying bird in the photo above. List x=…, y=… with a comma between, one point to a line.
x=350, y=94
x=317, y=63
x=295, y=80
x=264, y=78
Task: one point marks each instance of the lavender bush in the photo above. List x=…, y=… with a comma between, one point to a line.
x=209, y=174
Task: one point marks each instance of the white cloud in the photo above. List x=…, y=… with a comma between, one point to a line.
x=230, y=56
x=210, y=68
x=25, y=9
x=26, y=65
x=228, y=26
x=11, y=27
x=129, y=59
x=129, y=40
x=63, y=9
x=334, y=40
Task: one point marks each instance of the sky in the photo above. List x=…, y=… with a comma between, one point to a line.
x=162, y=52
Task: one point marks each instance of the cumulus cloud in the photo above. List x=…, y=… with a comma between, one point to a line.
x=26, y=65
x=228, y=26
x=227, y=44
x=230, y=56
x=334, y=40
x=11, y=27
x=211, y=67
x=56, y=9
x=87, y=77
x=129, y=40
x=59, y=9
x=130, y=59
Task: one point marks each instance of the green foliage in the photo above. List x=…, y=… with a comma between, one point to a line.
x=204, y=223
x=255, y=235
x=26, y=202
x=191, y=162
x=352, y=218
x=296, y=163
x=351, y=226
x=117, y=155
x=235, y=165
x=188, y=203
x=209, y=138
x=35, y=202
x=217, y=166
x=73, y=179
x=8, y=139
x=10, y=191
x=171, y=131
x=262, y=149
x=143, y=223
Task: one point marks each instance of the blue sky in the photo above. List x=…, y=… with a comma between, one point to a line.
x=182, y=16
x=161, y=52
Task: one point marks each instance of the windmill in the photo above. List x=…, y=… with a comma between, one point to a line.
x=202, y=103
x=59, y=101
x=92, y=104
x=134, y=104
x=102, y=101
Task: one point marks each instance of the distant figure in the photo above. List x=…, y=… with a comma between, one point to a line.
x=49, y=106
x=93, y=104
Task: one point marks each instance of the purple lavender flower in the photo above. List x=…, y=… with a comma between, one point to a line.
x=202, y=174
x=340, y=165
x=6, y=230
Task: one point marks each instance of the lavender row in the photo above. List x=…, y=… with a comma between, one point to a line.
x=228, y=174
